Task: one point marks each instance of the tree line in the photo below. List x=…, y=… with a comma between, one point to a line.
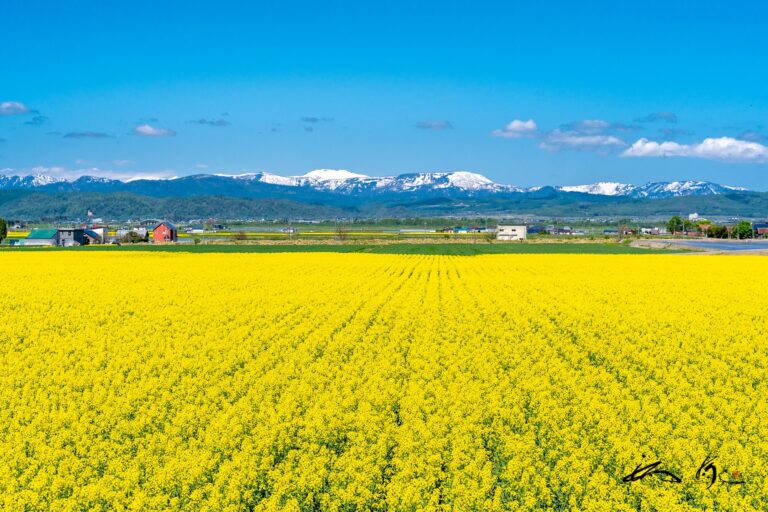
x=709, y=229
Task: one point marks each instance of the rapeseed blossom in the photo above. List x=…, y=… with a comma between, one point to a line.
x=233, y=382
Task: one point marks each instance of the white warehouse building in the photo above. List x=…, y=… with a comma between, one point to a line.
x=511, y=232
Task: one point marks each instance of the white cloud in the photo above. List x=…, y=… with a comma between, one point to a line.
x=146, y=130
x=517, y=129
x=123, y=162
x=557, y=140
x=10, y=108
x=726, y=149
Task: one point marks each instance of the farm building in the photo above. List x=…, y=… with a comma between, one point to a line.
x=165, y=232
x=71, y=236
x=760, y=228
x=511, y=232
x=97, y=234
x=94, y=237
x=42, y=237
x=65, y=237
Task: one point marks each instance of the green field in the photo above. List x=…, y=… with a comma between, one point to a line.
x=458, y=249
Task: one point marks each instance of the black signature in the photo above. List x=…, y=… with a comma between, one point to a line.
x=707, y=466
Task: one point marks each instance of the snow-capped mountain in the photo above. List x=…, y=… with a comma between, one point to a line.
x=349, y=182
x=654, y=190
x=682, y=188
x=23, y=182
x=343, y=183
x=602, y=188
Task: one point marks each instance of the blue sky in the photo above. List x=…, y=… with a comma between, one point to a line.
x=558, y=93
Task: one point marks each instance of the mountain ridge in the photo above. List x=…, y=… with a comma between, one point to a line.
x=320, y=182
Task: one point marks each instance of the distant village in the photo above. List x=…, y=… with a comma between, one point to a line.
x=95, y=232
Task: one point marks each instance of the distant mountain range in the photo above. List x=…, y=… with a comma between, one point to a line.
x=429, y=184
x=328, y=194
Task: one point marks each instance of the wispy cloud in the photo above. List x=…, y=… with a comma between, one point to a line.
x=434, y=125
x=37, y=120
x=587, y=126
x=558, y=140
x=121, y=163
x=669, y=117
x=146, y=130
x=517, y=129
x=593, y=126
x=312, y=119
x=673, y=133
x=86, y=135
x=752, y=135
x=726, y=149
x=12, y=108
x=210, y=122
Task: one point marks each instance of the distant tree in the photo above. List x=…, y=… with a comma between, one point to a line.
x=687, y=225
x=702, y=225
x=675, y=224
x=3, y=230
x=341, y=233
x=743, y=229
x=716, y=231
x=132, y=237
x=196, y=240
x=239, y=236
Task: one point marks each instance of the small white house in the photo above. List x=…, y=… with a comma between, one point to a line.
x=511, y=232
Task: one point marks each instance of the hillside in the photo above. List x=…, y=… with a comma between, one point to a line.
x=34, y=205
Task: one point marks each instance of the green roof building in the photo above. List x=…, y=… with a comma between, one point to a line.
x=42, y=237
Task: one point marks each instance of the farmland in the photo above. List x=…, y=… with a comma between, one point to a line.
x=446, y=249
x=138, y=380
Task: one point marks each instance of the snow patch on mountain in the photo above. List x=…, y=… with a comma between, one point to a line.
x=603, y=188
x=274, y=179
x=39, y=180
x=332, y=174
x=469, y=181
x=679, y=188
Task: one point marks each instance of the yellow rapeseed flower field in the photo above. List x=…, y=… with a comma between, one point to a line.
x=234, y=382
